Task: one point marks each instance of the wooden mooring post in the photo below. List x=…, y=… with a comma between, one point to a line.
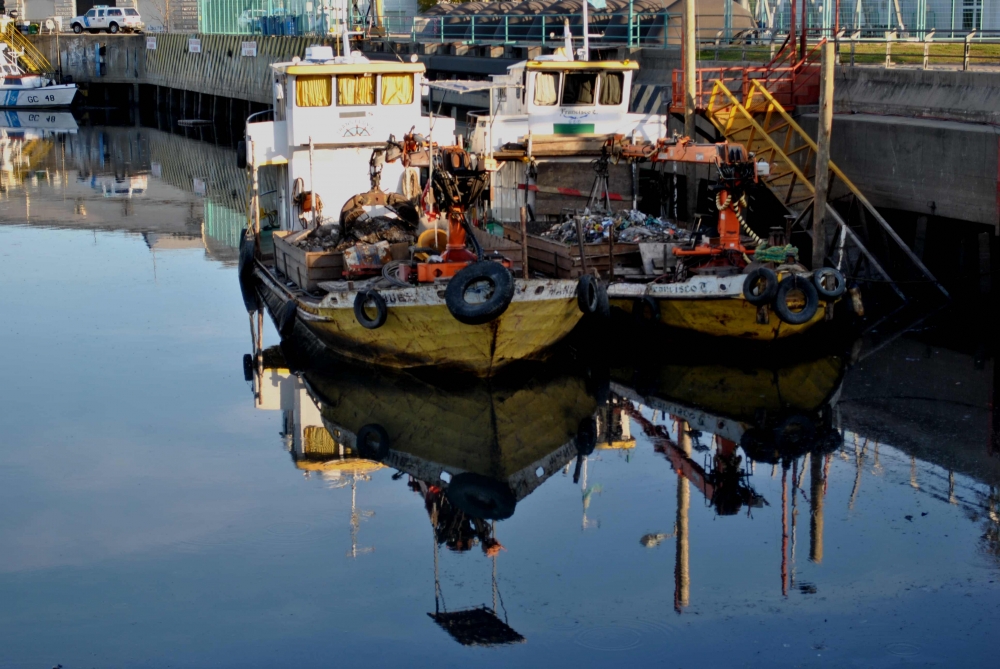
x=824, y=129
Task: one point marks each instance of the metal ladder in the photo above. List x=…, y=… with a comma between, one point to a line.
x=30, y=58
x=760, y=123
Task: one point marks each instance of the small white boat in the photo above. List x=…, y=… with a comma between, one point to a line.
x=24, y=89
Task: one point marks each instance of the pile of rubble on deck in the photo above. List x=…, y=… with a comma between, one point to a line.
x=363, y=231
x=627, y=227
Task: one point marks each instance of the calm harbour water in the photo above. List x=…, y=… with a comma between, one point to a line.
x=154, y=512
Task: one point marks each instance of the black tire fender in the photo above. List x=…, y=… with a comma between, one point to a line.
x=498, y=276
x=363, y=300
x=247, y=253
x=795, y=432
x=756, y=294
x=248, y=290
x=373, y=442
x=247, y=367
x=820, y=278
x=586, y=436
x=241, y=154
x=808, y=289
x=481, y=497
x=286, y=318
x=646, y=310
x=588, y=294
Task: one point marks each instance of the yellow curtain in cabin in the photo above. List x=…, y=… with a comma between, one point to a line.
x=313, y=91
x=355, y=89
x=397, y=89
x=545, y=88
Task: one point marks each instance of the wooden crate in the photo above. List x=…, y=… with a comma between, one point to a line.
x=562, y=261
x=306, y=268
x=509, y=249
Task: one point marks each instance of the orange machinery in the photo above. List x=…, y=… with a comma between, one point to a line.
x=453, y=186
x=737, y=172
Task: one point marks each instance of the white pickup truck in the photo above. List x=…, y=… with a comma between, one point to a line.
x=112, y=19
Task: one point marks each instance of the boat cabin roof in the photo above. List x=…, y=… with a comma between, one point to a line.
x=568, y=65
x=349, y=68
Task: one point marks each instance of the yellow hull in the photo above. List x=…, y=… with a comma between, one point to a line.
x=492, y=431
x=420, y=331
x=723, y=317
x=742, y=393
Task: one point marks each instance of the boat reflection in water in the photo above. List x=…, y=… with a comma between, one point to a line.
x=472, y=450
x=735, y=419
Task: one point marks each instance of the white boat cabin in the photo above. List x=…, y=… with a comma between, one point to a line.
x=554, y=95
x=329, y=113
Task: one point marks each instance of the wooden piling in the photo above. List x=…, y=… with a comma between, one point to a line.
x=524, y=242
x=824, y=128
x=690, y=63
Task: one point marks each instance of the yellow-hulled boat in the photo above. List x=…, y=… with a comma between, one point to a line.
x=420, y=331
x=503, y=432
x=713, y=306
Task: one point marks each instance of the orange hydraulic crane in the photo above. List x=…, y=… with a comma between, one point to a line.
x=737, y=173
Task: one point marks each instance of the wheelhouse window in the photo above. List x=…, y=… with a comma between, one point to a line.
x=612, y=84
x=313, y=91
x=397, y=89
x=546, y=89
x=579, y=88
x=355, y=90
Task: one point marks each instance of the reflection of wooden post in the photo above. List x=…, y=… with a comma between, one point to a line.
x=690, y=50
x=524, y=242
x=824, y=128
x=816, y=504
x=682, y=574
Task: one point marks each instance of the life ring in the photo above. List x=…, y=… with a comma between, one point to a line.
x=790, y=283
x=825, y=274
x=481, y=497
x=362, y=301
x=286, y=318
x=498, y=282
x=646, y=310
x=373, y=442
x=588, y=294
x=760, y=286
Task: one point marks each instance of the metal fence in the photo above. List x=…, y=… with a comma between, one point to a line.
x=860, y=21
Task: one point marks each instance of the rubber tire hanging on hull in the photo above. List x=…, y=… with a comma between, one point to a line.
x=481, y=497
x=646, y=310
x=839, y=288
x=366, y=450
x=241, y=154
x=286, y=318
x=247, y=253
x=786, y=286
x=767, y=293
x=587, y=296
x=381, y=309
x=490, y=309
